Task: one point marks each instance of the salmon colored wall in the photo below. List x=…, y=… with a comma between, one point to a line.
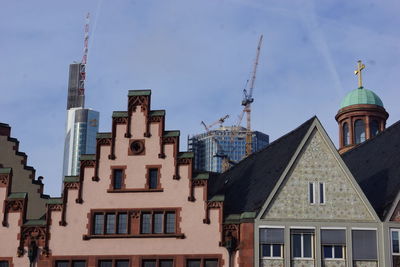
x=199, y=238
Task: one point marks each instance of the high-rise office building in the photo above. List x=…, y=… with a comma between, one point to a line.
x=230, y=142
x=82, y=123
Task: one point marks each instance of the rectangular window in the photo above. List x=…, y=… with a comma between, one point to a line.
x=157, y=263
x=146, y=223
x=170, y=225
x=364, y=245
x=98, y=224
x=153, y=178
x=121, y=263
x=333, y=252
x=166, y=263
x=395, y=241
x=117, y=178
x=302, y=244
x=193, y=263
x=113, y=263
x=110, y=223
x=110, y=219
x=311, y=193
x=321, y=193
x=210, y=263
x=333, y=243
x=271, y=242
x=158, y=223
x=122, y=223
x=68, y=263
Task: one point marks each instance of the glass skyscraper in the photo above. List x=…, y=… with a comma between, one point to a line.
x=82, y=123
x=209, y=148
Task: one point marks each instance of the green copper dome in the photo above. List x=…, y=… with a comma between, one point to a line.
x=361, y=96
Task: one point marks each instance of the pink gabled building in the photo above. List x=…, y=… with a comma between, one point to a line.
x=136, y=202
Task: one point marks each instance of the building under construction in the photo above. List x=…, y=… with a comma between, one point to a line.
x=225, y=144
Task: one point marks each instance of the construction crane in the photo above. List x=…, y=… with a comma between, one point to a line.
x=248, y=99
x=81, y=90
x=220, y=121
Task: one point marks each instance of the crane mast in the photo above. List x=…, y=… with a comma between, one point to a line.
x=248, y=99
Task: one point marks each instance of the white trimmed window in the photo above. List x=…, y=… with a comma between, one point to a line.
x=302, y=244
x=316, y=189
x=395, y=234
x=333, y=243
x=271, y=243
x=311, y=192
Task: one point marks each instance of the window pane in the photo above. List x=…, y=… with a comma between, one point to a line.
x=338, y=252
x=266, y=250
x=122, y=263
x=122, y=223
x=146, y=223
x=117, y=179
x=58, y=264
x=153, y=178
x=78, y=263
x=98, y=224
x=5, y=264
x=166, y=263
x=211, y=263
x=105, y=263
x=346, y=134
x=307, y=245
x=395, y=242
x=149, y=263
x=359, y=130
x=311, y=192
x=158, y=223
x=276, y=250
x=374, y=128
x=297, y=245
x=193, y=263
x=321, y=193
x=170, y=225
x=110, y=229
x=328, y=252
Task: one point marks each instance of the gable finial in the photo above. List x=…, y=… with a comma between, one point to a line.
x=357, y=72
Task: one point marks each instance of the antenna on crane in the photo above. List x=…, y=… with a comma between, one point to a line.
x=84, y=57
x=248, y=99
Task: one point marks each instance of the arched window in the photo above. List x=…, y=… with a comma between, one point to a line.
x=346, y=134
x=374, y=128
x=359, y=131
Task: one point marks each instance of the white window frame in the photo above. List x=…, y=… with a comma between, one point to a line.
x=323, y=193
x=302, y=246
x=271, y=249
x=333, y=252
x=391, y=240
x=311, y=185
x=282, y=245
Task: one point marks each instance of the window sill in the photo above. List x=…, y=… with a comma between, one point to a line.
x=272, y=258
x=308, y=259
x=135, y=190
x=177, y=236
x=333, y=259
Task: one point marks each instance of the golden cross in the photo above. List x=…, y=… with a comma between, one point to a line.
x=360, y=67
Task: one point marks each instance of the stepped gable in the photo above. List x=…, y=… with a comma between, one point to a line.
x=23, y=175
x=375, y=166
x=247, y=185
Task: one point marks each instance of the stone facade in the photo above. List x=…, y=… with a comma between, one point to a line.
x=318, y=164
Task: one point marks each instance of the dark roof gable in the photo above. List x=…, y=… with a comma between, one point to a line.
x=247, y=185
x=375, y=164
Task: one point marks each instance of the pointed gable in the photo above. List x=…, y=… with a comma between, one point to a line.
x=247, y=185
x=375, y=165
x=317, y=187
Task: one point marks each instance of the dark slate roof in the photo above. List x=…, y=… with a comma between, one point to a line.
x=247, y=185
x=375, y=164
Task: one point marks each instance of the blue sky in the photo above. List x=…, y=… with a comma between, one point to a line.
x=196, y=57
